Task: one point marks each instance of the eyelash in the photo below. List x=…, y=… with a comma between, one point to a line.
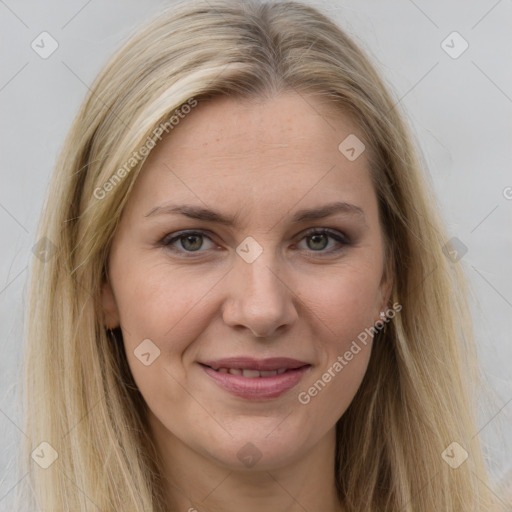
x=338, y=237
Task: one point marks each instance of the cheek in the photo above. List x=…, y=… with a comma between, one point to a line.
x=333, y=391
x=167, y=307
x=345, y=304
x=156, y=301
x=347, y=315
x=345, y=301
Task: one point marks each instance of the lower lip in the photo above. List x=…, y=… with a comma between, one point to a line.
x=257, y=388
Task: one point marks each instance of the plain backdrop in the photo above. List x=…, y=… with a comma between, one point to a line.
x=458, y=104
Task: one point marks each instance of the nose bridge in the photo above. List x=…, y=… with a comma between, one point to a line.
x=258, y=277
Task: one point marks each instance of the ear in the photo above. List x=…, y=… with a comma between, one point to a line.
x=109, y=305
x=386, y=288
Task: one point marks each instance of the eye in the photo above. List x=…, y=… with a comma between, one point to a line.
x=189, y=241
x=317, y=240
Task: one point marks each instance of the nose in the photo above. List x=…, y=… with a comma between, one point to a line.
x=259, y=298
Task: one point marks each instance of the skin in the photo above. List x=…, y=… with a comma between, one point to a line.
x=261, y=160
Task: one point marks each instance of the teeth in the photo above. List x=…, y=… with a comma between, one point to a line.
x=252, y=374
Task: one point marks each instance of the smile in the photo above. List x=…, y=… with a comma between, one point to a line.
x=252, y=374
x=254, y=379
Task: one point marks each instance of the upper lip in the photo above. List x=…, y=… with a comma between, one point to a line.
x=250, y=363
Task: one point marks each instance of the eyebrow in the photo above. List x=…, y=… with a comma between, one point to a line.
x=205, y=214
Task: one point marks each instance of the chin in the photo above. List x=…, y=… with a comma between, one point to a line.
x=256, y=455
x=264, y=443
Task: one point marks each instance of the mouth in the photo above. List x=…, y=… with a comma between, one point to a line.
x=252, y=374
x=256, y=379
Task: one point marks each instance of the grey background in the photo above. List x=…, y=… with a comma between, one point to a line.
x=459, y=110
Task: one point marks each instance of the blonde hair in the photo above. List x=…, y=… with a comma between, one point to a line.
x=80, y=397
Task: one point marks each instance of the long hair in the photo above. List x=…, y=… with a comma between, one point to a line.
x=416, y=398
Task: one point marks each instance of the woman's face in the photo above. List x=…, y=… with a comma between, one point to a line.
x=240, y=333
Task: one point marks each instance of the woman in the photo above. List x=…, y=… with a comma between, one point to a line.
x=190, y=345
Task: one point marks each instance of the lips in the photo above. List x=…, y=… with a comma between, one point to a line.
x=256, y=379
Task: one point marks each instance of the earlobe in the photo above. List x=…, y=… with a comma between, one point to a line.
x=109, y=305
x=386, y=288
x=386, y=294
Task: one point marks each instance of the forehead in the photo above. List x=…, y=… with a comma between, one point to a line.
x=256, y=152
x=301, y=124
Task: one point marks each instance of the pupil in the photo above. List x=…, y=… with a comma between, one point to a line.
x=315, y=238
x=194, y=247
